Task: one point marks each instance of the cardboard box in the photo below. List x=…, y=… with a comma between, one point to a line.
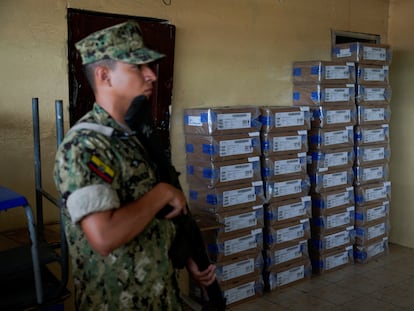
x=328, y=72
x=370, y=213
x=332, y=261
x=284, y=118
x=368, y=135
x=369, y=173
x=372, y=154
x=372, y=94
x=323, y=243
x=338, y=137
x=281, y=234
x=217, y=173
x=370, y=232
x=222, y=147
x=371, y=251
x=372, y=193
x=283, y=166
x=221, y=120
x=325, y=202
x=370, y=53
x=372, y=74
x=330, y=159
x=282, y=143
x=287, y=254
x=328, y=116
x=288, y=210
x=326, y=180
x=323, y=94
x=330, y=223
x=373, y=114
x=287, y=275
x=293, y=187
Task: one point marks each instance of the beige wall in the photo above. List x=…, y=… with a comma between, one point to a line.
x=402, y=125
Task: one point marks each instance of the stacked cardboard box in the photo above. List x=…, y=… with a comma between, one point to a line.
x=328, y=88
x=284, y=144
x=224, y=176
x=372, y=149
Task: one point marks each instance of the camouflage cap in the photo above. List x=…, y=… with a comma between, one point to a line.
x=122, y=42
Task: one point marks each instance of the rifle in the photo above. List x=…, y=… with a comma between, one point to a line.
x=188, y=241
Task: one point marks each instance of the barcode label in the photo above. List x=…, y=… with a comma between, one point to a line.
x=283, y=119
x=336, y=137
x=236, y=172
x=287, y=166
x=287, y=143
x=240, y=221
x=239, y=293
x=287, y=187
x=233, y=121
x=374, y=53
x=290, y=233
x=238, y=269
x=374, y=114
x=235, y=147
x=337, y=94
x=338, y=116
x=239, y=196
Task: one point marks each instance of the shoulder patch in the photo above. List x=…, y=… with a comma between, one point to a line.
x=101, y=169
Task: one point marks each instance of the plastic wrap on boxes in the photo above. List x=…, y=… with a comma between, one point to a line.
x=333, y=260
x=287, y=189
x=371, y=134
x=330, y=159
x=326, y=138
x=365, y=253
x=233, y=220
x=326, y=201
x=323, y=94
x=371, y=173
x=366, y=214
x=279, y=143
x=373, y=114
x=372, y=94
x=237, y=268
x=216, y=173
x=327, y=72
x=362, y=52
x=326, y=180
x=285, y=255
x=287, y=210
x=287, y=275
x=368, y=233
x=326, y=242
x=221, y=120
x=333, y=222
x=372, y=74
x=372, y=154
x=283, y=166
x=222, y=147
x=284, y=118
x=237, y=196
x=333, y=116
x=286, y=233
x=372, y=193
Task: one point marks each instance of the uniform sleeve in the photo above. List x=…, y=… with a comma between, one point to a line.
x=84, y=173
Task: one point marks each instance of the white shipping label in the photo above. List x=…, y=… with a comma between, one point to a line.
x=374, y=114
x=287, y=166
x=374, y=53
x=337, y=94
x=236, y=146
x=336, y=260
x=372, y=173
x=239, y=293
x=344, y=53
x=374, y=74
x=376, y=212
x=287, y=254
x=373, y=154
x=375, y=249
x=338, y=220
x=295, y=118
x=238, y=269
x=337, y=239
x=371, y=136
x=334, y=200
x=236, y=172
x=239, y=245
x=338, y=116
x=336, y=137
x=287, y=143
x=336, y=159
x=239, y=196
x=376, y=193
x=337, y=72
x=374, y=94
x=229, y=121
x=335, y=179
x=290, y=275
x=287, y=187
x=376, y=230
x=291, y=211
x=240, y=221
x=290, y=233
x=194, y=121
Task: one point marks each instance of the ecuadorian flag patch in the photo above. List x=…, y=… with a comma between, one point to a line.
x=101, y=169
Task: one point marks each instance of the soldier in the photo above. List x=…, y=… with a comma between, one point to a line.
x=111, y=195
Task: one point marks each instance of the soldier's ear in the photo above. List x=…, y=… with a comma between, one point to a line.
x=102, y=76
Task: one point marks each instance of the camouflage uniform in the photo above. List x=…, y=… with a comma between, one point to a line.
x=94, y=172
